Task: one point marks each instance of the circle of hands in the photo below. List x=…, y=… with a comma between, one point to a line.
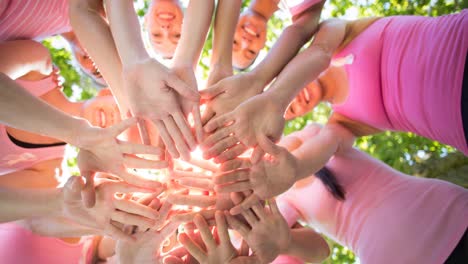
x=204, y=198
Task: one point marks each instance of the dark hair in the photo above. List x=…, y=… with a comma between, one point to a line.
x=331, y=183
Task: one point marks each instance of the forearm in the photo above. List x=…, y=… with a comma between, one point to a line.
x=307, y=245
x=194, y=30
x=126, y=31
x=95, y=35
x=227, y=14
x=20, y=204
x=303, y=69
x=287, y=46
x=56, y=226
x=23, y=56
x=21, y=110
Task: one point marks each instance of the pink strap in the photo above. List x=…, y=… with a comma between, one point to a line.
x=38, y=88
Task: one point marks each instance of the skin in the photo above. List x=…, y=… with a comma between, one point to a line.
x=163, y=23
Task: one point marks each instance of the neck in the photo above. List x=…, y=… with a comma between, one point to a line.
x=333, y=84
x=264, y=8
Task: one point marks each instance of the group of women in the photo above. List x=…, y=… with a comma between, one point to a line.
x=278, y=194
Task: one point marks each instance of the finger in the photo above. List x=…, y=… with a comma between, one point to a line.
x=250, y=217
x=139, y=163
x=205, y=232
x=192, y=200
x=168, y=229
x=246, y=204
x=182, y=88
x=164, y=210
x=232, y=176
x=220, y=147
x=138, y=180
x=213, y=91
x=88, y=194
x=143, y=130
x=222, y=228
x=177, y=137
x=146, y=199
x=274, y=206
x=172, y=260
x=219, y=122
x=204, y=184
x=188, y=217
x=192, y=248
x=130, y=219
x=132, y=148
x=237, y=225
x=178, y=251
x=122, y=126
x=257, y=155
x=234, y=164
x=259, y=211
x=218, y=135
x=231, y=153
x=153, y=187
x=207, y=114
x=268, y=146
x=166, y=138
x=244, y=248
x=197, y=120
x=133, y=207
x=184, y=127
x=234, y=187
x=72, y=189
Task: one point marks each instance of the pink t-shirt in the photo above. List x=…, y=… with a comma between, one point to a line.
x=33, y=19
x=405, y=73
x=298, y=6
x=14, y=158
x=20, y=246
x=387, y=217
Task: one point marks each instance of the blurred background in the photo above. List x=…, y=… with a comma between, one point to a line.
x=406, y=152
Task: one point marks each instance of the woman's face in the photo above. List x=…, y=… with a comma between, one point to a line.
x=249, y=39
x=86, y=63
x=102, y=110
x=164, y=25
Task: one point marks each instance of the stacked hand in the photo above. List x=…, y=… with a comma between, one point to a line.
x=112, y=210
x=157, y=94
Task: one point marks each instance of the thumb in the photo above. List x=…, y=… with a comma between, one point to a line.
x=117, y=129
x=88, y=194
x=72, y=189
x=182, y=88
x=268, y=146
x=212, y=91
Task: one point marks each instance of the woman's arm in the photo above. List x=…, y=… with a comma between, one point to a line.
x=289, y=43
x=307, y=245
x=307, y=65
x=20, y=57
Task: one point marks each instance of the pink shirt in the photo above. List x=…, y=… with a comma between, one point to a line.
x=33, y=19
x=387, y=217
x=298, y=6
x=405, y=73
x=14, y=158
x=21, y=246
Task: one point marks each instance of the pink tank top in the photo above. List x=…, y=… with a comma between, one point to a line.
x=298, y=6
x=387, y=217
x=405, y=74
x=21, y=246
x=33, y=19
x=14, y=158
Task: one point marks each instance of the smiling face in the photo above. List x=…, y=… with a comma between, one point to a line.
x=164, y=25
x=249, y=39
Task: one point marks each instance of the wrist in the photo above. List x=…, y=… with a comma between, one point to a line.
x=281, y=100
x=259, y=77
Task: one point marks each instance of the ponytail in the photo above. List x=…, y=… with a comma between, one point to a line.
x=331, y=183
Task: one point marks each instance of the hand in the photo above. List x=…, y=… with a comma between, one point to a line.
x=101, y=111
x=228, y=93
x=303, y=103
x=267, y=232
x=187, y=75
x=218, y=73
x=224, y=252
x=258, y=117
x=152, y=92
x=102, y=152
x=147, y=248
x=272, y=176
x=110, y=209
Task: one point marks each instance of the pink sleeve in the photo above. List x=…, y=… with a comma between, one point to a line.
x=288, y=211
x=298, y=6
x=285, y=259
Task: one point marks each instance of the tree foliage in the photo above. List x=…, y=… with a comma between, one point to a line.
x=406, y=152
